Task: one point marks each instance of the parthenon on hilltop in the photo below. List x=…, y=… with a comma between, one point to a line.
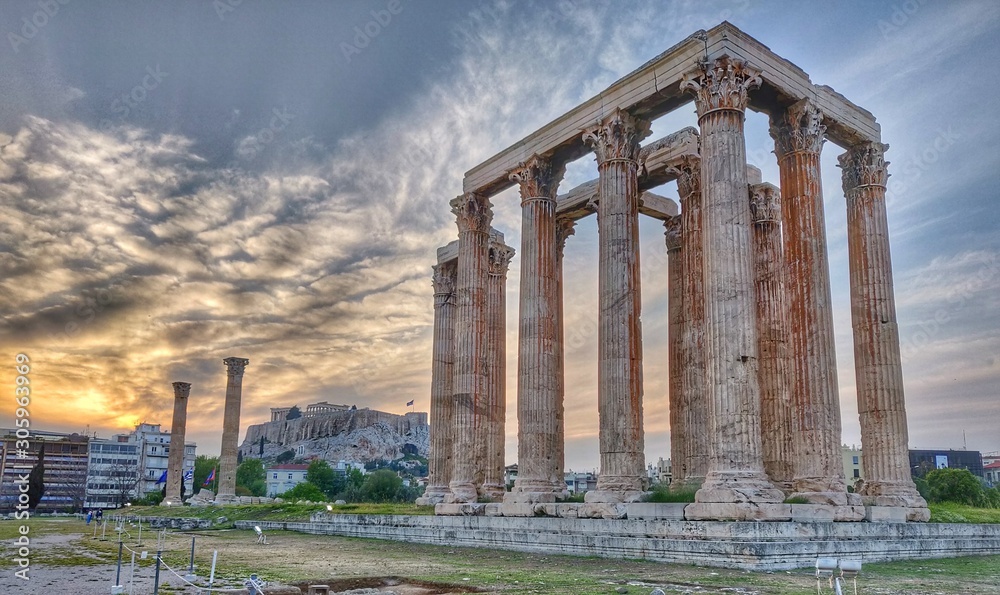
x=753, y=397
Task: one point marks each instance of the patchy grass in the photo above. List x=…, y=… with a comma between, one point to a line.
x=662, y=493
x=951, y=512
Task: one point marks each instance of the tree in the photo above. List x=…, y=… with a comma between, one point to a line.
x=123, y=479
x=261, y=447
x=294, y=413
x=305, y=491
x=954, y=485
x=250, y=474
x=203, y=467
x=381, y=486
x=326, y=479
x=355, y=478
x=286, y=457
x=36, y=482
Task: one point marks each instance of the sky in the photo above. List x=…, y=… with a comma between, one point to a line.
x=182, y=182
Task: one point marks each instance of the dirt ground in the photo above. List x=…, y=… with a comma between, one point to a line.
x=71, y=561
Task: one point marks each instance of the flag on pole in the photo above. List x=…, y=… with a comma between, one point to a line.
x=211, y=478
x=189, y=474
x=410, y=404
x=163, y=477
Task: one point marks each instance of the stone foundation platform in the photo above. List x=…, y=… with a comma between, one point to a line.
x=742, y=544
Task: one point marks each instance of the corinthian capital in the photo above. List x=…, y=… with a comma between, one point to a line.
x=722, y=84
x=565, y=227
x=473, y=212
x=235, y=365
x=537, y=178
x=617, y=137
x=182, y=389
x=672, y=231
x=765, y=203
x=500, y=257
x=444, y=278
x=800, y=128
x=687, y=170
x=864, y=165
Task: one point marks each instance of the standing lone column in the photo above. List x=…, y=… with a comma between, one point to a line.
x=736, y=485
x=442, y=405
x=615, y=142
x=175, y=461
x=877, y=364
x=675, y=342
x=538, y=398
x=495, y=413
x=819, y=470
x=772, y=330
x=564, y=228
x=689, y=472
x=230, y=429
x=473, y=213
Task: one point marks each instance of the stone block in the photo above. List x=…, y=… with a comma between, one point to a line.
x=470, y=509
x=885, y=514
x=601, y=511
x=670, y=511
x=737, y=511
x=494, y=509
x=918, y=514
x=515, y=509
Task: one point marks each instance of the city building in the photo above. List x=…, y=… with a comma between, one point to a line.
x=281, y=478
x=991, y=473
x=924, y=460
x=112, y=472
x=65, y=465
x=662, y=472
x=154, y=450
x=580, y=483
x=852, y=463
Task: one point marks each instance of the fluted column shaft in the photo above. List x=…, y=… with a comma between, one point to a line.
x=877, y=364
x=230, y=428
x=690, y=469
x=736, y=471
x=492, y=486
x=819, y=472
x=564, y=229
x=616, y=145
x=175, y=461
x=473, y=213
x=442, y=395
x=772, y=331
x=539, y=404
x=675, y=340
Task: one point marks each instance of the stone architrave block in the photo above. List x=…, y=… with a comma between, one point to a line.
x=885, y=514
x=669, y=511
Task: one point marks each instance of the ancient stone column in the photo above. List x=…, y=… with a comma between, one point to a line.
x=819, y=471
x=772, y=332
x=175, y=461
x=884, y=436
x=539, y=471
x=442, y=395
x=495, y=413
x=675, y=340
x=564, y=228
x=736, y=482
x=230, y=429
x=473, y=213
x=615, y=142
x=689, y=471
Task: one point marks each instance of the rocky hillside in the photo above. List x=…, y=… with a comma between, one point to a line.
x=358, y=436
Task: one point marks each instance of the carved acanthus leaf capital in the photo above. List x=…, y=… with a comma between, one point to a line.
x=182, y=389
x=500, y=257
x=722, y=84
x=687, y=170
x=473, y=212
x=235, y=365
x=617, y=137
x=765, y=203
x=565, y=227
x=864, y=165
x=537, y=178
x=672, y=231
x=445, y=278
x=800, y=128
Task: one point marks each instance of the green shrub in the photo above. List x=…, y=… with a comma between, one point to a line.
x=663, y=493
x=305, y=491
x=797, y=500
x=955, y=485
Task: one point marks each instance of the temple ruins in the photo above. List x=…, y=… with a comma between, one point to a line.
x=754, y=401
